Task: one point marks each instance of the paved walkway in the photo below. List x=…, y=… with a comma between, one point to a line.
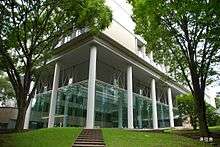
x=89, y=138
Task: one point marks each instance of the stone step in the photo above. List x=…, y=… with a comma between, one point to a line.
x=95, y=140
x=89, y=142
x=87, y=145
x=89, y=138
x=90, y=135
x=85, y=140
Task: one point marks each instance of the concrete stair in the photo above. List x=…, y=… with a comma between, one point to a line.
x=89, y=138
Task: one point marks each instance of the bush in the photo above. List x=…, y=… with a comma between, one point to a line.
x=186, y=106
x=211, y=115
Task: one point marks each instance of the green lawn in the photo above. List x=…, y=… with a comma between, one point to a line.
x=125, y=138
x=214, y=129
x=64, y=137
x=195, y=133
x=53, y=137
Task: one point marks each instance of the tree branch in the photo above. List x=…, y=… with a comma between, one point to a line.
x=182, y=68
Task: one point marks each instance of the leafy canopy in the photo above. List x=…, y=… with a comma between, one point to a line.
x=29, y=33
x=185, y=104
x=183, y=34
x=6, y=89
x=186, y=107
x=30, y=30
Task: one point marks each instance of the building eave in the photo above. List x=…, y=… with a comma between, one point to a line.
x=129, y=53
x=103, y=38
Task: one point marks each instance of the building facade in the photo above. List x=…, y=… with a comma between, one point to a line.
x=8, y=116
x=105, y=81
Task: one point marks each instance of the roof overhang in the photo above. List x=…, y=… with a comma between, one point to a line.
x=101, y=39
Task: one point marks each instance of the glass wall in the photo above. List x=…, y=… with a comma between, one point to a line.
x=177, y=118
x=110, y=108
x=142, y=112
x=163, y=115
x=40, y=110
x=71, y=105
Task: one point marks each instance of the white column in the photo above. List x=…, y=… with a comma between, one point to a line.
x=143, y=51
x=120, y=114
x=170, y=107
x=103, y=99
x=54, y=95
x=140, y=104
x=151, y=55
x=66, y=105
x=119, y=99
x=28, y=114
x=154, y=104
x=91, y=89
x=130, y=97
x=66, y=108
x=28, y=111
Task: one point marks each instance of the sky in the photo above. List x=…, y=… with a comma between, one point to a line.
x=213, y=88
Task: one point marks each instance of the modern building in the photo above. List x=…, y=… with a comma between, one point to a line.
x=105, y=81
x=8, y=116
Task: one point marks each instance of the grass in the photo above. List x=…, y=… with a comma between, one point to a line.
x=214, y=133
x=53, y=137
x=214, y=129
x=64, y=137
x=126, y=138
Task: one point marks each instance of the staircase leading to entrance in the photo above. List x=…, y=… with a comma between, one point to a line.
x=89, y=138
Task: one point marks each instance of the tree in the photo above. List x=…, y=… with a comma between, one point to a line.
x=217, y=102
x=211, y=115
x=186, y=104
x=185, y=35
x=186, y=107
x=29, y=32
x=6, y=89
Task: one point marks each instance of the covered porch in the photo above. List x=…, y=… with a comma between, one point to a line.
x=98, y=85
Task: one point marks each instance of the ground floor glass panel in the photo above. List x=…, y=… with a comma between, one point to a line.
x=163, y=115
x=142, y=112
x=40, y=110
x=110, y=108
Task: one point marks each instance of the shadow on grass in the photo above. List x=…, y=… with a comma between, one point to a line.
x=194, y=134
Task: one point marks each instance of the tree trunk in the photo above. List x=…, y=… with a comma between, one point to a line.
x=193, y=122
x=20, y=118
x=201, y=113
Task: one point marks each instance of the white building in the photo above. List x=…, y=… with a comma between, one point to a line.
x=105, y=81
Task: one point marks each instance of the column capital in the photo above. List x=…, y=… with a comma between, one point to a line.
x=92, y=46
